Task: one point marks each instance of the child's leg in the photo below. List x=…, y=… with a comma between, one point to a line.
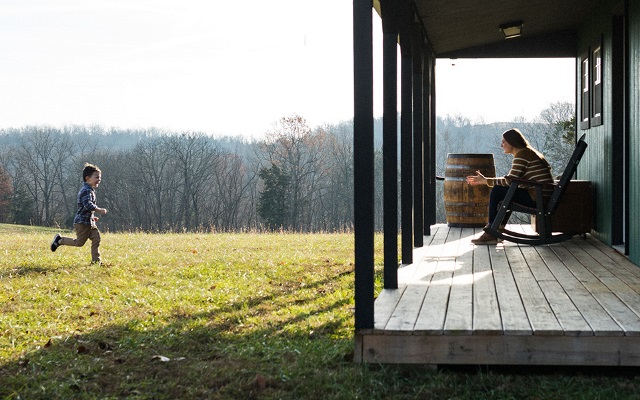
x=95, y=244
x=82, y=234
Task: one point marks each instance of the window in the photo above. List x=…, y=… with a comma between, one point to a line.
x=591, y=82
x=596, y=103
x=585, y=98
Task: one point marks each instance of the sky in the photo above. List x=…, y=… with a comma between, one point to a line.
x=225, y=67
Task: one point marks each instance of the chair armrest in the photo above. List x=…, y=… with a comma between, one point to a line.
x=529, y=182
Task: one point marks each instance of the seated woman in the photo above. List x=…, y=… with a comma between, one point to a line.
x=528, y=163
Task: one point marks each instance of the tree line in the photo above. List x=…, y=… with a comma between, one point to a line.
x=295, y=178
x=164, y=181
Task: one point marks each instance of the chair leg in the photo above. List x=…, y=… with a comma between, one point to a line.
x=543, y=221
x=503, y=211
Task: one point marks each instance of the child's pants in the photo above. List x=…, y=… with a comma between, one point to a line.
x=84, y=232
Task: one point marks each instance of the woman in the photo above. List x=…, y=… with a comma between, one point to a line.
x=528, y=163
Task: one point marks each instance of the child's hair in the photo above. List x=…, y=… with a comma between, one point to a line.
x=88, y=170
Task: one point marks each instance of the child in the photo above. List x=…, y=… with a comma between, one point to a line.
x=85, y=222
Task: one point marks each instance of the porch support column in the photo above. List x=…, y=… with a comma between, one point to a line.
x=363, y=151
x=430, y=142
x=432, y=132
x=391, y=12
x=406, y=150
x=418, y=142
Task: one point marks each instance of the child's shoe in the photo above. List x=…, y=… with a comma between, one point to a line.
x=56, y=242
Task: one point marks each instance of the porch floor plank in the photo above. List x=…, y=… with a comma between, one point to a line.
x=433, y=311
x=459, y=317
x=486, y=314
x=572, y=303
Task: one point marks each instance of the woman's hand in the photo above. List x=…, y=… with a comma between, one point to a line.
x=477, y=179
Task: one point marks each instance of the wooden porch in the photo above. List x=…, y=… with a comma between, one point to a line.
x=573, y=303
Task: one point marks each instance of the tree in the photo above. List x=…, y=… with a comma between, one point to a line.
x=194, y=157
x=156, y=188
x=297, y=151
x=556, y=125
x=337, y=201
x=6, y=193
x=43, y=158
x=273, y=203
x=22, y=207
x=232, y=180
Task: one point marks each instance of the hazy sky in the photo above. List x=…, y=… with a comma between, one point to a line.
x=223, y=67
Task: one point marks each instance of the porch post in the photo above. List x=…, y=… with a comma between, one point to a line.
x=430, y=144
x=390, y=141
x=406, y=151
x=363, y=152
x=418, y=142
x=432, y=132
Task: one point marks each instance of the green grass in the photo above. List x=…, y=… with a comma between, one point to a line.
x=216, y=316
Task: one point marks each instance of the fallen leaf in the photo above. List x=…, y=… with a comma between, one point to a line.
x=261, y=383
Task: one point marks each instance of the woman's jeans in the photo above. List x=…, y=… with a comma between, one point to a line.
x=498, y=194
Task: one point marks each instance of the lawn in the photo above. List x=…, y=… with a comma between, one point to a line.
x=218, y=316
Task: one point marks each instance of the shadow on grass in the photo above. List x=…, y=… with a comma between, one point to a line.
x=213, y=354
x=251, y=349
x=26, y=270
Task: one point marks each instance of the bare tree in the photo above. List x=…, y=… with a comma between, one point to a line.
x=337, y=202
x=43, y=154
x=194, y=158
x=154, y=168
x=296, y=149
x=556, y=128
x=6, y=192
x=233, y=180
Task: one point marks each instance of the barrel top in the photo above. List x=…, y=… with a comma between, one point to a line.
x=469, y=155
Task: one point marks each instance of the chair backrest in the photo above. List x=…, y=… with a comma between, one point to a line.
x=572, y=165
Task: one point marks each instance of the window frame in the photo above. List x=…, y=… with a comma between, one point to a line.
x=597, y=81
x=585, y=90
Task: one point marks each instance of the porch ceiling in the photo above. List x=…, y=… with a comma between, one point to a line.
x=469, y=28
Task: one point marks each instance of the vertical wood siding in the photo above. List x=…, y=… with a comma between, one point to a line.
x=597, y=162
x=634, y=131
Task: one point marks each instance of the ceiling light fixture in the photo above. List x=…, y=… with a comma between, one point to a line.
x=511, y=29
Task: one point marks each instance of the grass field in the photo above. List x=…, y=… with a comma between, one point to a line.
x=218, y=316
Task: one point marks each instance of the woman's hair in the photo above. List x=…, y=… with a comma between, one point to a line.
x=516, y=139
x=88, y=170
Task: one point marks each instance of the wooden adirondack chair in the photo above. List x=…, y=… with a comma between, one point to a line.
x=543, y=212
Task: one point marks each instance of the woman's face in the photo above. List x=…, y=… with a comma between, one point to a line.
x=508, y=149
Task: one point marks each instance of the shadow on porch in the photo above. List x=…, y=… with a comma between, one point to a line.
x=572, y=303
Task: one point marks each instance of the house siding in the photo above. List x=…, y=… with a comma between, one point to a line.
x=634, y=131
x=597, y=165
x=597, y=162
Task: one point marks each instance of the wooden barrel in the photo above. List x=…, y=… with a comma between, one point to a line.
x=467, y=206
